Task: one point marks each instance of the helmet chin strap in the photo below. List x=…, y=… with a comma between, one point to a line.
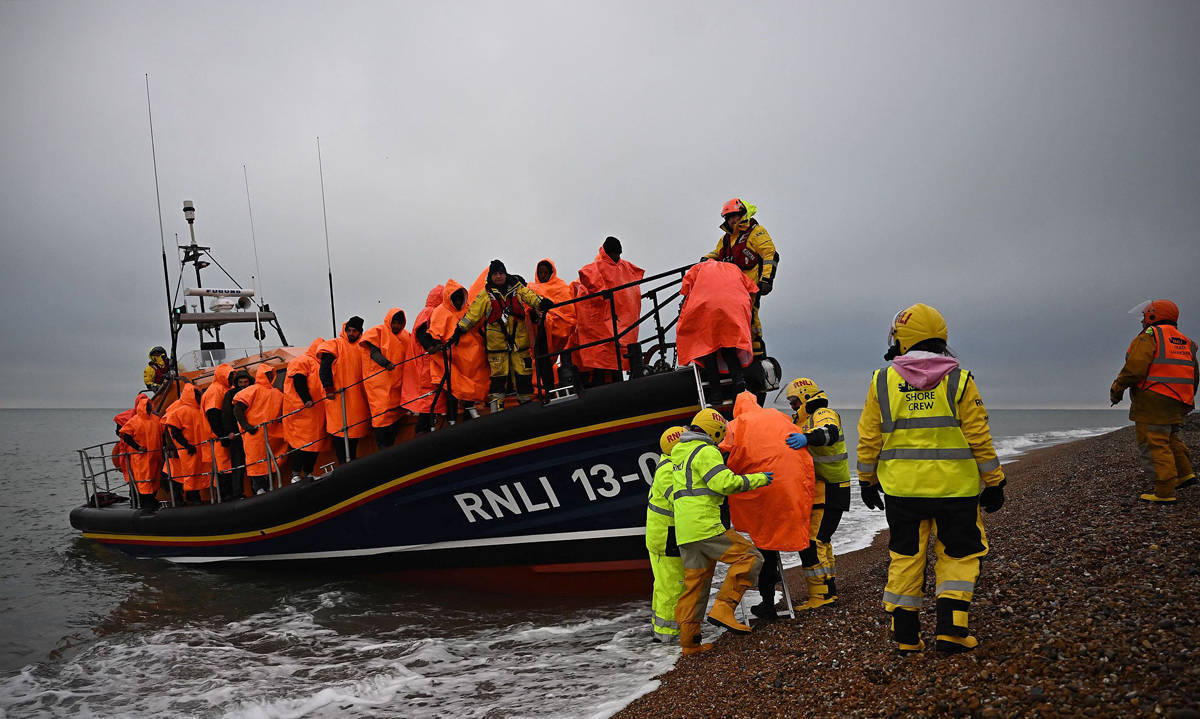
x=893, y=352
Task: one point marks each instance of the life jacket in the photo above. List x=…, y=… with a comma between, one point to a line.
x=738, y=251
x=1171, y=372
x=924, y=453
x=504, y=301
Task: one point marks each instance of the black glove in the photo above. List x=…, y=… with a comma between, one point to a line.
x=764, y=286
x=992, y=498
x=191, y=449
x=454, y=338
x=225, y=442
x=870, y=495
x=545, y=305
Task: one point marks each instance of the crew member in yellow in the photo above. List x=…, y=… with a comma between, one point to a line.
x=1161, y=374
x=923, y=438
x=821, y=431
x=501, y=307
x=662, y=545
x=158, y=369
x=748, y=245
x=702, y=481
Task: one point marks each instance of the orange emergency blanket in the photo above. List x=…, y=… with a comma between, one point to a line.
x=470, y=375
x=717, y=299
x=560, y=321
x=418, y=377
x=263, y=404
x=192, y=470
x=594, y=317
x=385, y=387
x=214, y=397
x=347, y=373
x=776, y=516
x=145, y=429
x=304, y=427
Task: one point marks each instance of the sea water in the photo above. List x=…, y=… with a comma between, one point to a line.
x=86, y=631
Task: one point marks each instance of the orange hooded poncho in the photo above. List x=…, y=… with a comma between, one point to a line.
x=385, y=388
x=560, y=321
x=120, y=450
x=263, y=405
x=193, y=470
x=776, y=516
x=418, y=378
x=470, y=375
x=304, y=427
x=347, y=374
x=146, y=430
x=214, y=397
x=594, y=317
x=716, y=312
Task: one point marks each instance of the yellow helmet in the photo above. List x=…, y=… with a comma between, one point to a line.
x=711, y=422
x=915, y=324
x=669, y=438
x=805, y=390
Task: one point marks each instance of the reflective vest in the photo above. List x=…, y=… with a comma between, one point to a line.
x=739, y=252
x=1171, y=372
x=830, y=462
x=702, y=481
x=924, y=453
x=660, y=509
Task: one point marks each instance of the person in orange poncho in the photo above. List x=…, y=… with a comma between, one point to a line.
x=777, y=516
x=714, y=323
x=143, y=434
x=385, y=349
x=190, y=435
x=120, y=451
x=419, y=392
x=560, y=321
x=594, y=318
x=341, y=376
x=470, y=374
x=303, y=417
x=211, y=403
x=257, y=409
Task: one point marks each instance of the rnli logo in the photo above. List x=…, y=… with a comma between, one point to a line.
x=903, y=317
x=905, y=387
x=1178, y=341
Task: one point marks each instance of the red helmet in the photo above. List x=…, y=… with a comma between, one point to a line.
x=1160, y=310
x=733, y=207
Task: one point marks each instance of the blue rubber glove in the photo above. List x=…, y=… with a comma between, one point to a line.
x=770, y=478
x=797, y=440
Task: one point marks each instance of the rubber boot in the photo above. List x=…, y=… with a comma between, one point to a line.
x=820, y=592
x=1155, y=499
x=906, y=631
x=1186, y=481
x=953, y=637
x=689, y=639
x=722, y=616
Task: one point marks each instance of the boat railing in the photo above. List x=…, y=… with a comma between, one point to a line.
x=639, y=357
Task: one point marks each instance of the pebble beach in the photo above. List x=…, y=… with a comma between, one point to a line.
x=1086, y=607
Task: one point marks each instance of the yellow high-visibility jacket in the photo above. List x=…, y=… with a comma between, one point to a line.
x=500, y=309
x=660, y=508
x=702, y=481
x=926, y=443
x=831, y=462
x=757, y=242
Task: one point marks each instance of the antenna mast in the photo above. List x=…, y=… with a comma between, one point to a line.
x=258, y=331
x=162, y=237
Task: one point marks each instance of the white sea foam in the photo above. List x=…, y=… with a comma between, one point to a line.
x=1012, y=447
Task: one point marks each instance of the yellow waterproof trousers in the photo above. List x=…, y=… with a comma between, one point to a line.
x=1163, y=456
x=668, y=585
x=958, y=530
x=699, y=561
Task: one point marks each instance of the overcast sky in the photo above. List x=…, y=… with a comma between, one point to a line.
x=1032, y=169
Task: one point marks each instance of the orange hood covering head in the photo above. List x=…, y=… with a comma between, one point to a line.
x=450, y=301
x=187, y=395
x=264, y=376
x=776, y=516
x=316, y=345
x=221, y=374
x=434, y=298
x=387, y=319
x=141, y=406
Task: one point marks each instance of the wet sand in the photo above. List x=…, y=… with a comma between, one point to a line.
x=1087, y=605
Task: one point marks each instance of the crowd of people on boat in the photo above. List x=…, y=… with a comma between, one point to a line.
x=470, y=350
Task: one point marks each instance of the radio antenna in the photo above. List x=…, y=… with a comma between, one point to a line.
x=332, y=311
x=162, y=236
